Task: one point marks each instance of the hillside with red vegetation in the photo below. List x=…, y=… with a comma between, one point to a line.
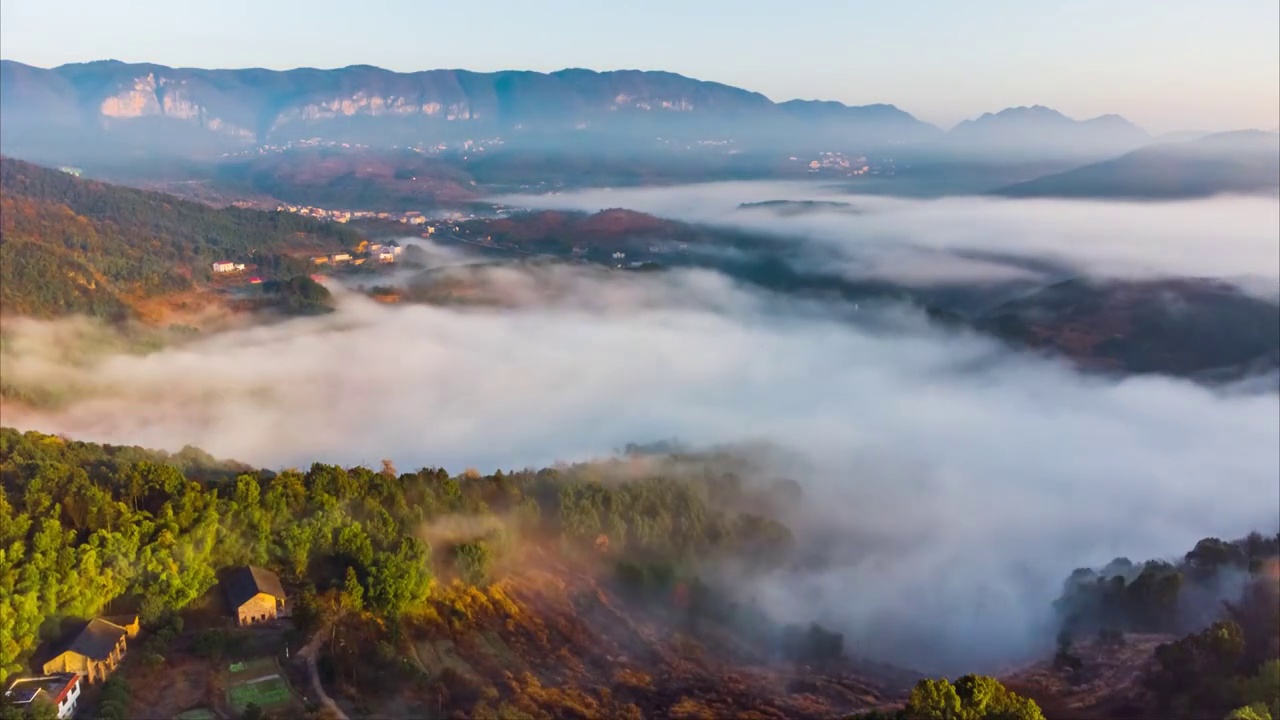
x=1178, y=327
x=1107, y=686
x=605, y=227
x=555, y=638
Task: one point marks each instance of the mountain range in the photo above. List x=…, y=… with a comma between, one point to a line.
x=111, y=107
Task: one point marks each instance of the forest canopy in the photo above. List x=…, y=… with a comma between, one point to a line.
x=375, y=553
x=82, y=524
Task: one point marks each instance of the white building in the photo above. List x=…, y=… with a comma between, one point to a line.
x=226, y=267
x=62, y=691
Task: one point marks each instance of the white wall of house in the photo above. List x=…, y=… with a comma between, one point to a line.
x=67, y=707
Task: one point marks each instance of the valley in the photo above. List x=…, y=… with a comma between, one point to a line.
x=480, y=383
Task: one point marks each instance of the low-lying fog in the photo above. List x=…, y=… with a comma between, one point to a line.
x=956, y=483
x=972, y=239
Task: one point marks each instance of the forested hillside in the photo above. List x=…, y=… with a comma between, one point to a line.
x=69, y=245
x=581, y=591
x=386, y=555
x=1223, y=596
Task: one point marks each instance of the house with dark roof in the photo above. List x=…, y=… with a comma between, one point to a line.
x=254, y=595
x=95, y=652
x=60, y=691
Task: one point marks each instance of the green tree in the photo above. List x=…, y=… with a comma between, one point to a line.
x=355, y=545
x=352, y=593
x=113, y=703
x=399, y=580
x=473, y=560
x=972, y=697
x=1257, y=711
x=933, y=700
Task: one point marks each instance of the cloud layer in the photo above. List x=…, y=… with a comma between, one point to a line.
x=923, y=241
x=954, y=483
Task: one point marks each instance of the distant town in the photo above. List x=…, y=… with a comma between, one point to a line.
x=850, y=166
x=827, y=161
x=439, y=148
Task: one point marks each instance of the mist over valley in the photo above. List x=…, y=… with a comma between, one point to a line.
x=366, y=393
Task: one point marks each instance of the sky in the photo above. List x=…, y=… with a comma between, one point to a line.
x=1168, y=65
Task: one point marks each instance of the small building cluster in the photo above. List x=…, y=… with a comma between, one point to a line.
x=409, y=217
x=364, y=251
x=254, y=594
x=838, y=161
x=227, y=267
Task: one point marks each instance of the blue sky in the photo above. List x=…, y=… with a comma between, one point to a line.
x=1166, y=64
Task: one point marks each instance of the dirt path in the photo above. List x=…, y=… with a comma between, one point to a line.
x=308, y=653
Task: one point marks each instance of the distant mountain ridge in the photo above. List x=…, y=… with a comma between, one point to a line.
x=1246, y=161
x=1028, y=130
x=110, y=106
x=225, y=108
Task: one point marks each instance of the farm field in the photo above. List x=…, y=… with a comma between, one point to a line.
x=259, y=682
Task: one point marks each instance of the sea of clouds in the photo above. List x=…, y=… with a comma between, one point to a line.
x=969, y=239
x=955, y=481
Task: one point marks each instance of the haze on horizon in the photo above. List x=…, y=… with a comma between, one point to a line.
x=1168, y=66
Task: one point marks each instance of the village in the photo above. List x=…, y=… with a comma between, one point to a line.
x=380, y=252
x=366, y=252
x=247, y=597
x=849, y=166
x=409, y=217
x=424, y=148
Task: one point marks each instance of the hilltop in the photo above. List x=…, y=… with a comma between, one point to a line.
x=605, y=226
x=1189, y=327
x=337, y=177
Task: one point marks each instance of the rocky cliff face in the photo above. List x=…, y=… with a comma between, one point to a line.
x=360, y=102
